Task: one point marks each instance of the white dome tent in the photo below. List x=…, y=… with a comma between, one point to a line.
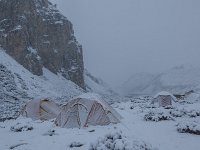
x=87, y=109
x=41, y=109
x=164, y=99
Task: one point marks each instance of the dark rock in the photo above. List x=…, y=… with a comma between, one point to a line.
x=36, y=35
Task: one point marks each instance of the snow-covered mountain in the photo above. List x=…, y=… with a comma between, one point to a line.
x=97, y=85
x=136, y=84
x=18, y=85
x=177, y=80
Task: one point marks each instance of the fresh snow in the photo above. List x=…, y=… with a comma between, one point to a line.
x=59, y=22
x=133, y=130
x=18, y=27
x=32, y=50
x=90, y=96
x=165, y=93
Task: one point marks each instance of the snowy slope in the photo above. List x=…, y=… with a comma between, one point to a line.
x=21, y=85
x=97, y=85
x=177, y=80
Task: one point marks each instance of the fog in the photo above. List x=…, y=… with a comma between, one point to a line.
x=123, y=37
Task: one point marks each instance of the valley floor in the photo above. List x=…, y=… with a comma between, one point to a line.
x=162, y=135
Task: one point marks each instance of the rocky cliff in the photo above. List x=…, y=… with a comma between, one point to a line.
x=36, y=35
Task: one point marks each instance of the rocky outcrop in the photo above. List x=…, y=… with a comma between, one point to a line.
x=36, y=35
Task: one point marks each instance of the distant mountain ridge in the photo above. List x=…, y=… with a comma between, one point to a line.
x=177, y=80
x=136, y=84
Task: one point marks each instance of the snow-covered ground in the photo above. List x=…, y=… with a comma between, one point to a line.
x=134, y=132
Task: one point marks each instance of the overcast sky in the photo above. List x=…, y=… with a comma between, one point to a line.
x=123, y=37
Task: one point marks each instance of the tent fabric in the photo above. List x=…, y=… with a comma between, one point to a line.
x=164, y=99
x=98, y=98
x=42, y=109
x=82, y=112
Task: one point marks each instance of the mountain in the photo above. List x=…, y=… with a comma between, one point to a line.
x=177, y=80
x=136, y=84
x=18, y=85
x=97, y=85
x=37, y=35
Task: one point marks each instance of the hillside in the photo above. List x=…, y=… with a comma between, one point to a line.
x=177, y=80
x=97, y=85
x=19, y=85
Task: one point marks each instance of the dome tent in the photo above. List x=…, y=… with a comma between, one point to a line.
x=84, y=110
x=164, y=99
x=42, y=109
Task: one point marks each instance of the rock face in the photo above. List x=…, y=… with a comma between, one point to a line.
x=36, y=35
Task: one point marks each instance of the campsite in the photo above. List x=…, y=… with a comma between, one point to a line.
x=142, y=126
x=99, y=75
